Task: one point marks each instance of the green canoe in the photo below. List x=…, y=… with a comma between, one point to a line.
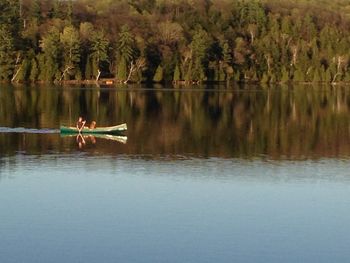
x=98, y=130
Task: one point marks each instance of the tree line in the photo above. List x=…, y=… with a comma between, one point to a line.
x=179, y=40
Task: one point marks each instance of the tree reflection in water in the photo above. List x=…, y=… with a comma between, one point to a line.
x=278, y=122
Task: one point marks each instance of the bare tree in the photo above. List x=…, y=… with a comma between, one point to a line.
x=140, y=64
x=252, y=29
x=341, y=62
x=18, y=65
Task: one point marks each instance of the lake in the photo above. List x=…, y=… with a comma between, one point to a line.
x=203, y=174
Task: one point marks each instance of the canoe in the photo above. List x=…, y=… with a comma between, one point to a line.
x=98, y=130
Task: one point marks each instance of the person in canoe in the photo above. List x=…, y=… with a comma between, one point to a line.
x=80, y=124
x=92, y=125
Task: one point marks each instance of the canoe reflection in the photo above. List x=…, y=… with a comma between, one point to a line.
x=82, y=140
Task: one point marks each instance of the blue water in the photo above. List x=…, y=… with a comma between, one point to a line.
x=90, y=208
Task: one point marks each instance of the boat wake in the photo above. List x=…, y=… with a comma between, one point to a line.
x=27, y=130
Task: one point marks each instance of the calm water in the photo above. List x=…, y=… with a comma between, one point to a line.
x=235, y=174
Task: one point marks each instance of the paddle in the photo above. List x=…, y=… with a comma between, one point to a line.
x=82, y=126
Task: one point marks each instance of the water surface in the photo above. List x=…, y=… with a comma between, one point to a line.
x=218, y=175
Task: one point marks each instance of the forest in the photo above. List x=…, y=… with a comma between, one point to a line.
x=181, y=41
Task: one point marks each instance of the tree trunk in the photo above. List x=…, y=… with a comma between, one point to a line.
x=131, y=70
x=14, y=76
x=66, y=69
x=98, y=75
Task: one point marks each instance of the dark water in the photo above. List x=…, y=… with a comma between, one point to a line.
x=279, y=122
x=209, y=174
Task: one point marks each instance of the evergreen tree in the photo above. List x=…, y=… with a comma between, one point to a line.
x=256, y=38
x=126, y=43
x=125, y=48
x=41, y=67
x=10, y=16
x=51, y=68
x=7, y=62
x=177, y=73
x=88, y=68
x=221, y=73
x=199, y=45
x=298, y=75
x=56, y=10
x=317, y=77
x=50, y=46
x=227, y=60
x=327, y=75
x=34, y=71
x=237, y=76
x=158, y=76
x=35, y=11
x=122, y=69
x=99, y=50
x=69, y=12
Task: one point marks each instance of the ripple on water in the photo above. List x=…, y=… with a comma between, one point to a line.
x=27, y=130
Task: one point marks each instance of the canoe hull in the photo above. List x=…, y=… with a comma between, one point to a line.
x=99, y=130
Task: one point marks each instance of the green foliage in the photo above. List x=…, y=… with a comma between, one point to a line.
x=177, y=73
x=244, y=40
x=199, y=46
x=273, y=78
x=226, y=54
x=265, y=78
x=6, y=53
x=252, y=13
x=125, y=44
x=34, y=71
x=285, y=75
x=56, y=11
x=88, y=68
x=69, y=12
x=158, y=76
x=317, y=76
x=327, y=75
x=78, y=75
x=122, y=69
x=10, y=15
x=41, y=66
x=35, y=10
x=71, y=46
x=298, y=75
x=99, y=50
x=50, y=69
x=50, y=45
x=23, y=71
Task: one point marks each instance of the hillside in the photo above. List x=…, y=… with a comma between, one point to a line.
x=178, y=40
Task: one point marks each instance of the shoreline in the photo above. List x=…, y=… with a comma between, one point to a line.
x=114, y=82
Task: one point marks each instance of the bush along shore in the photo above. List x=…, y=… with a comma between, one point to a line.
x=183, y=41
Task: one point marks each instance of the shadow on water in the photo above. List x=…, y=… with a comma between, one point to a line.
x=298, y=122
